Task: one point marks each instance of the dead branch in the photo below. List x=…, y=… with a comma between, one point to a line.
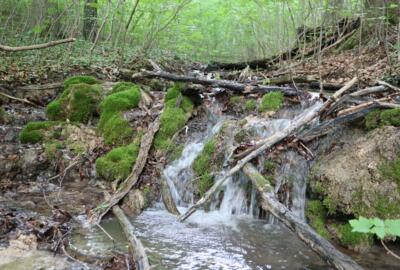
x=317, y=243
x=37, y=46
x=136, y=248
x=129, y=183
x=23, y=100
x=232, y=85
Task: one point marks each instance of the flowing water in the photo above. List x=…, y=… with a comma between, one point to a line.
x=228, y=236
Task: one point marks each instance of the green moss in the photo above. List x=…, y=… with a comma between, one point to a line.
x=116, y=130
x=113, y=126
x=176, y=152
x=353, y=239
x=316, y=214
x=271, y=101
x=372, y=119
x=379, y=206
x=78, y=103
x=118, y=163
x=269, y=166
x=330, y=204
x=391, y=171
x=174, y=92
x=204, y=165
x=80, y=79
x=35, y=132
x=251, y=105
x=391, y=117
x=122, y=86
x=235, y=100
x=173, y=118
x=51, y=148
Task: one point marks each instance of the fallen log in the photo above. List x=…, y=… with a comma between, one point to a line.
x=145, y=145
x=369, y=91
x=40, y=87
x=167, y=198
x=317, y=243
x=136, y=248
x=232, y=85
x=288, y=79
x=35, y=47
x=302, y=120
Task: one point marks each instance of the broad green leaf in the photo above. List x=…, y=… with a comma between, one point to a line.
x=361, y=225
x=392, y=227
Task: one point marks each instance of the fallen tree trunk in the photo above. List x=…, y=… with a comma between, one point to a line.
x=317, y=243
x=264, y=144
x=232, y=85
x=136, y=248
x=167, y=198
x=145, y=145
x=37, y=46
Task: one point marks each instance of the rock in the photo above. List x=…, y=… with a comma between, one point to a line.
x=134, y=203
x=350, y=177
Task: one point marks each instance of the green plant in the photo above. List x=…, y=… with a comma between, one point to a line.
x=348, y=237
x=235, y=100
x=372, y=119
x=203, y=166
x=391, y=117
x=391, y=171
x=271, y=101
x=122, y=86
x=379, y=227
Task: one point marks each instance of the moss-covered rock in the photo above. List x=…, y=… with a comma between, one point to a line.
x=80, y=79
x=316, y=215
x=353, y=240
x=35, y=132
x=372, y=119
x=78, y=103
x=114, y=128
x=359, y=176
x=122, y=86
x=177, y=111
x=271, y=101
x=118, y=163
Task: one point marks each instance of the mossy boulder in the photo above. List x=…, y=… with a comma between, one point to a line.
x=117, y=164
x=122, y=86
x=114, y=128
x=359, y=176
x=78, y=103
x=80, y=79
x=177, y=111
x=36, y=132
x=271, y=101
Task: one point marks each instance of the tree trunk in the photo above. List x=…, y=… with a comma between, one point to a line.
x=90, y=20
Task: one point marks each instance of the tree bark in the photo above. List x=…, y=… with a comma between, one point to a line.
x=90, y=20
x=136, y=248
x=232, y=85
x=317, y=243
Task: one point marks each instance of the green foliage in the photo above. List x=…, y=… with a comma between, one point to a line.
x=173, y=118
x=118, y=163
x=350, y=238
x=379, y=227
x=113, y=126
x=80, y=79
x=251, y=105
x=35, y=132
x=78, y=103
x=271, y=101
x=316, y=214
x=269, y=166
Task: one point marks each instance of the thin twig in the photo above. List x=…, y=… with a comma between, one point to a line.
x=389, y=251
x=24, y=100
